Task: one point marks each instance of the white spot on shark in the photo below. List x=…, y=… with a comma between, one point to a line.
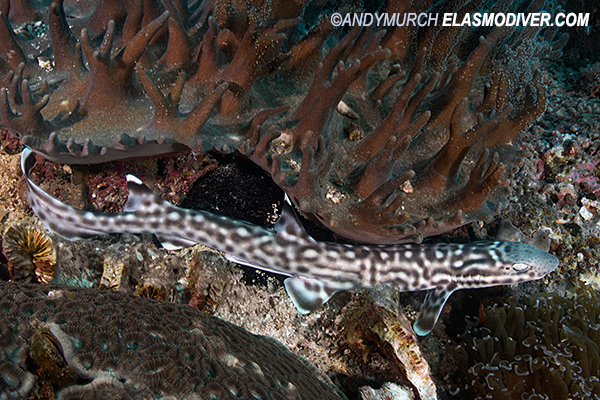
x=310, y=253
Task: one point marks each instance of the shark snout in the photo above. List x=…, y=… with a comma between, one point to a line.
x=539, y=261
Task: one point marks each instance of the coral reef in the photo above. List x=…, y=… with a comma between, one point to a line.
x=30, y=253
x=207, y=279
x=374, y=322
x=399, y=149
x=108, y=344
x=542, y=346
x=559, y=186
x=387, y=391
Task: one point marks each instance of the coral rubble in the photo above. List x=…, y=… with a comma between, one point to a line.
x=542, y=346
x=374, y=134
x=82, y=342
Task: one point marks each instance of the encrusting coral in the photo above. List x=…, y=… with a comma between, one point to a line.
x=372, y=133
x=542, y=346
x=77, y=343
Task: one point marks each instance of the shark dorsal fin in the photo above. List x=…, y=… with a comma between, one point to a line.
x=288, y=225
x=431, y=309
x=142, y=199
x=307, y=294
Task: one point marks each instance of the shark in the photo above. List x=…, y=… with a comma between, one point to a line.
x=316, y=270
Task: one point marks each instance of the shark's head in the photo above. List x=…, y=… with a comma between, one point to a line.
x=526, y=261
x=484, y=264
x=502, y=263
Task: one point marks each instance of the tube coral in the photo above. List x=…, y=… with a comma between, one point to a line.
x=543, y=346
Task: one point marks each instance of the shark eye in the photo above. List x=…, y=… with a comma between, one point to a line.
x=520, y=267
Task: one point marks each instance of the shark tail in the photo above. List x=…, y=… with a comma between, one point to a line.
x=60, y=218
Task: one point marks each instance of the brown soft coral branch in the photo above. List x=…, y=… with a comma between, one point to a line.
x=378, y=214
x=256, y=149
x=10, y=47
x=257, y=55
x=206, y=73
x=179, y=46
x=110, y=78
x=105, y=12
x=29, y=121
x=305, y=55
x=325, y=94
x=325, y=88
x=533, y=107
x=377, y=170
x=383, y=88
x=377, y=139
x=167, y=119
x=444, y=166
x=485, y=176
x=461, y=82
x=65, y=56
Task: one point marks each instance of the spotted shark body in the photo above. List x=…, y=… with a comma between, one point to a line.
x=316, y=269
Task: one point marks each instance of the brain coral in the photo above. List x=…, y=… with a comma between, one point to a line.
x=81, y=343
x=545, y=346
x=373, y=133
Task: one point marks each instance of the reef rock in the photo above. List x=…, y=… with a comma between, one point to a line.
x=373, y=321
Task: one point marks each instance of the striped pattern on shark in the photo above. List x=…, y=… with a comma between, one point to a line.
x=316, y=269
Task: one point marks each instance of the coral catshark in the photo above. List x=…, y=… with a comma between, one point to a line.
x=316, y=269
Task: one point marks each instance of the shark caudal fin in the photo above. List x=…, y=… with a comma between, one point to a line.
x=431, y=310
x=60, y=218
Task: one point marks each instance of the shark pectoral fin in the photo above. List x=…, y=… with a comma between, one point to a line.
x=431, y=310
x=174, y=243
x=288, y=225
x=307, y=294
